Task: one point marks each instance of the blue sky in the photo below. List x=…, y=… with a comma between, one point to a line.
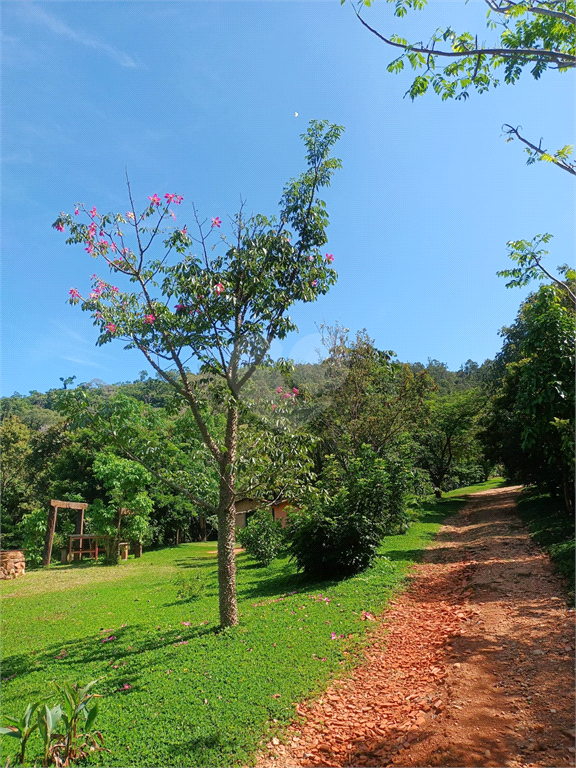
x=199, y=98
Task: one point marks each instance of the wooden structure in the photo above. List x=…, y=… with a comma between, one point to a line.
x=55, y=505
x=92, y=548
x=12, y=563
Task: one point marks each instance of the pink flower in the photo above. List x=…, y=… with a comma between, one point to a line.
x=155, y=200
x=74, y=293
x=216, y=222
x=108, y=639
x=184, y=231
x=93, y=212
x=149, y=319
x=278, y=390
x=310, y=258
x=60, y=227
x=169, y=197
x=172, y=214
x=126, y=687
x=129, y=215
x=76, y=211
x=111, y=328
x=178, y=199
x=274, y=407
x=185, y=623
x=180, y=307
x=219, y=288
x=329, y=258
x=295, y=391
x=314, y=283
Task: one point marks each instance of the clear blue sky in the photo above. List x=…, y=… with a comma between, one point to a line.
x=199, y=98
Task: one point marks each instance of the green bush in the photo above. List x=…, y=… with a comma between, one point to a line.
x=337, y=533
x=32, y=529
x=263, y=538
x=189, y=587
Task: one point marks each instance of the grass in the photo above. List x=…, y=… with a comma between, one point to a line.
x=494, y=482
x=552, y=528
x=198, y=696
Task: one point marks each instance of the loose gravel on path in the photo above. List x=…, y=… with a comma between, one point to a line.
x=473, y=665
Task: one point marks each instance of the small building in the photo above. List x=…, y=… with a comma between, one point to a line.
x=245, y=508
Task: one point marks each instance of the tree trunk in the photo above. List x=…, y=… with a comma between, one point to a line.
x=226, y=525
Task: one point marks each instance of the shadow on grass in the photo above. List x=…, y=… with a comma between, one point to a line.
x=92, y=650
x=197, y=562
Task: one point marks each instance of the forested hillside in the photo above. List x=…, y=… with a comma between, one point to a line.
x=302, y=427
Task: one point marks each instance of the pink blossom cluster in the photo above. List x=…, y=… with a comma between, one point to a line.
x=291, y=396
x=329, y=258
x=176, y=199
x=218, y=289
x=216, y=222
x=149, y=319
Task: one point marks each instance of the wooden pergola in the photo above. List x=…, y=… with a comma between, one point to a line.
x=55, y=505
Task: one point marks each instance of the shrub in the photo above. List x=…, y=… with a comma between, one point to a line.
x=263, y=538
x=338, y=531
x=189, y=587
x=32, y=529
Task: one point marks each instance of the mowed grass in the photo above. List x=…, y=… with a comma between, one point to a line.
x=552, y=528
x=494, y=482
x=198, y=696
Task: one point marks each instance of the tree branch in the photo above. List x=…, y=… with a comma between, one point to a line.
x=569, y=167
x=537, y=9
x=564, y=60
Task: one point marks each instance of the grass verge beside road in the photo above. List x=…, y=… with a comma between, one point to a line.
x=552, y=528
x=195, y=696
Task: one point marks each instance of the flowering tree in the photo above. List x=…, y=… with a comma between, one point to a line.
x=222, y=309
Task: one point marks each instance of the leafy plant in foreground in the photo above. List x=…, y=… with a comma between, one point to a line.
x=22, y=728
x=60, y=748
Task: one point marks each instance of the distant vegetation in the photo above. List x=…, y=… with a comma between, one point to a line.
x=301, y=431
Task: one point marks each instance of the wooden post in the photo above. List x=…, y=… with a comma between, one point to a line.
x=138, y=549
x=49, y=539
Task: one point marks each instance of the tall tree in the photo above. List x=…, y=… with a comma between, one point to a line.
x=230, y=307
x=531, y=426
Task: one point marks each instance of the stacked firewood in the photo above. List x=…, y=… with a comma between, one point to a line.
x=12, y=563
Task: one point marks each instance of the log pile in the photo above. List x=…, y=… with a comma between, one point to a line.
x=12, y=563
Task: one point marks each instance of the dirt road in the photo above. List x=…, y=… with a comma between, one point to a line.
x=472, y=666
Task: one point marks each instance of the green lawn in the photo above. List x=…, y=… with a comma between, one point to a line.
x=494, y=482
x=198, y=697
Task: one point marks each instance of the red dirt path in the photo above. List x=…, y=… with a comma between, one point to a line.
x=473, y=665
